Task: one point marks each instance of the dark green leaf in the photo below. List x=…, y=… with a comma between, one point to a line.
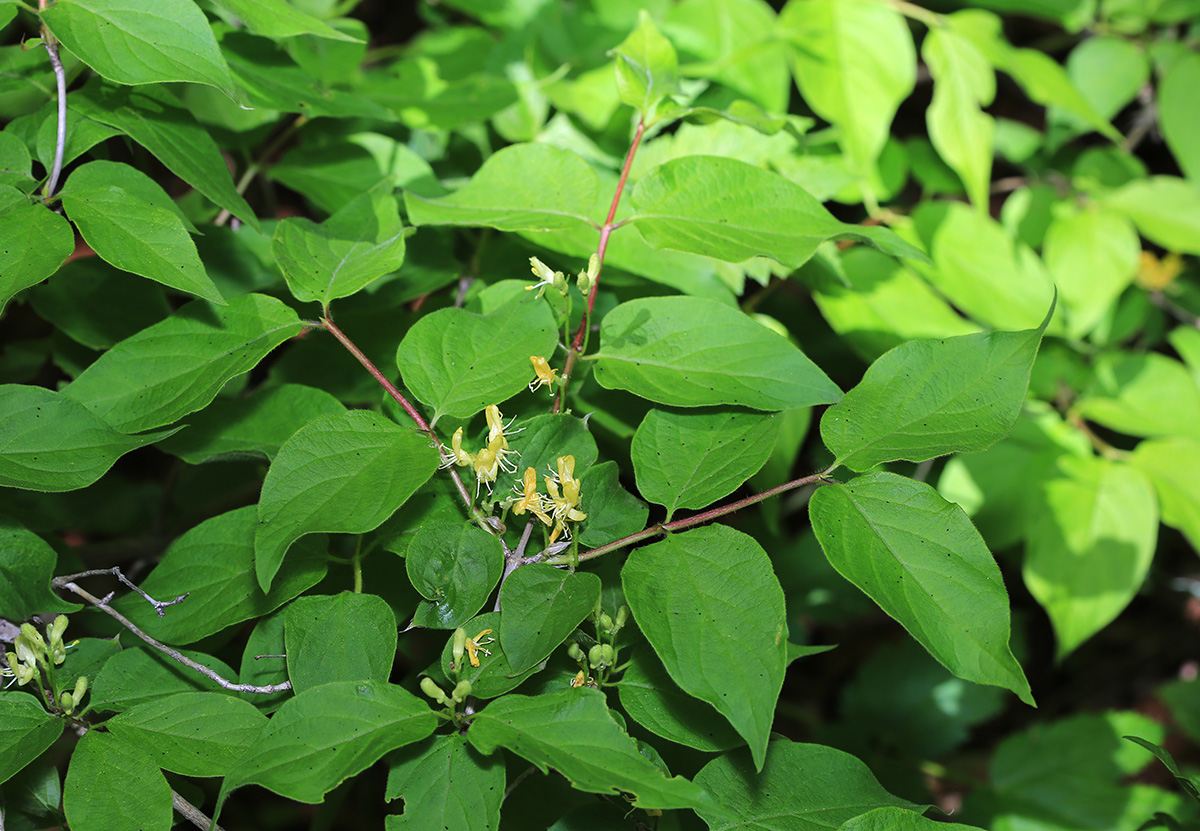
x=98, y=305
x=542, y=606
x=26, y=569
x=454, y=567
x=343, y=637
x=446, y=785
x=136, y=675
x=34, y=242
x=613, y=512
x=26, y=730
x=494, y=676
x=655, y=702
x=897, y=819
x=1186, y=783
x=114, y=785
x=541, y=441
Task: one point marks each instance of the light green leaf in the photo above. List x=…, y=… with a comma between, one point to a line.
x=573, y=732
x=494, y=676
x=691, y=459
x=524, y=187
x=647, y=68
x=327, y=734
x=454, y=567
x=928, y=398
x=923, y=562
x=1088, y=544
x=26, y=731
x=1166, y=210
x=732, y=211
x=710, y=605
x=693, y=352
x=278, y=19
x=54, y=443
x=655, y=702
x=152, y=117
x=1171, y=464
x=960, y=131
x=854, y=64
x=357, y=245
x=1092, y=256
x=178, y=366
x=131, y=43
x=446, y=785
x=897, y=819
x=1177, y=117
x=34, y=242
x=804, y=787
x=1127, y=391
x=25, y=573
x=343, y=637
x=213, y=563
x=458, y=362
x=543, y=605
x=1108, y=70
x=114, y=785
x=342, y=473
x=193, y=734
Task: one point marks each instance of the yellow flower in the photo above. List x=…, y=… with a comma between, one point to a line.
x=546, y=278
x=545, y=375
x=565, y=505
x=1155, y=274
x=489, y=461
x=530, y=500
x=476, y=645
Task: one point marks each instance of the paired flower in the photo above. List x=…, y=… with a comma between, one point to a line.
x=31, y=649
x=559, y=505
x=491, y=459
x=546, y=278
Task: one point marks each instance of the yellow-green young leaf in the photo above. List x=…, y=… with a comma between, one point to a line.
x=26, y=731
x=454, y=566
x=541, y=606
x=923, y=562
x=647, y=68
x=446, y=785
x=54, y=443
x=34, y=242
x=152, y=117
x=573, y=732
x=928, y=398
x=854, y=64
x=191, y=733
x=804, y=787
x=277, y=19
x=897, y=819
x=114, y=785
x=327, y=734
x=25, y=573
x=691, y=459
x=710, y=605
x=1172, y=464
x=524, y=187
x=360, y=243
x=695, y=352
x=458, y=362
x=1166, y=210
x=178, y=366
x=730, y=210
x=1089, y=541
x=214, y=564
x=960, y=131
x=131, y=43
x=343, y=474
x=1127, y=391
x=657, y=703
x=343, y=637
x=1177, y=117
x=1092, y=256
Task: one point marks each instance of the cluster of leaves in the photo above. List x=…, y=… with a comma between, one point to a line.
x=295, y=398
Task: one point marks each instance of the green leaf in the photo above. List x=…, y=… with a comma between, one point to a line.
x=539, y=444
x=1166, y=210
x=114, y=785
x=34, y=242
x=278, y=19
x=647, y=68
x=854, y=63
x=458, y=362
x=692, y=352
x=54, y=443
x=343, y=637
x=342, y=473
x=923, y=562
x=613, y=512
x=446, y=786
x=494, y=676
x=178, y=366
x=897, y=819
x=152, y=117
x=573, y=732
x=524, y=187
x=710, y=605
x=327, y=734
x=249, y=428
x=454, y=567
x=213, y=563
x=732, y=211
x=136, y=675
x=1092, y=256
x=102, y=174
x=928, y=398
x=193, y=734
x=1177, y=118
x=655, y=702
x=803, y=787
x=1171, y=464
x=97, y=305
x=26, y=570
x=130, y=44
x=1088, y=544
x=1126, y=393
x=963, y=83
x=691, y=459
x=1108, y=70
x=1187, y=784
x=137, y=236
x=357, y=245
x=266, y=638
x=542, y=606
x=82, y=134
x=26, y=731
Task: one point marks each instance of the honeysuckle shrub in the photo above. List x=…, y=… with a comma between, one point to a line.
x=597, y=415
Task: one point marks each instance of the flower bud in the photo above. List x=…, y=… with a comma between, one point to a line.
x=575, y=652
x=34, y=638
x=560, y=283
x=584, y=282
x=459, y=646
x=67, y=700
x=607, y=654
x=81, y=685
x=605, y=623
x=56, y=629
x=622, y=617
x=431, y=689
x=596, y=656
x=461, y=690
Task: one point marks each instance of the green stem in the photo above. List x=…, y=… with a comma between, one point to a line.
x=356, y=564
x=256, y=166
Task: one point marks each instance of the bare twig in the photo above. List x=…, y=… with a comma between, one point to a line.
x=60, y=143
x=160, y=606
x=174, y=654
x=193, y=814
x=513, y=559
